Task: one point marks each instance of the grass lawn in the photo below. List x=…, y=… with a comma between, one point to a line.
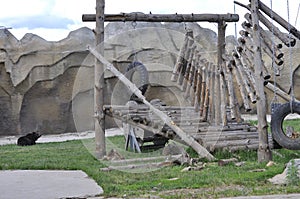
x=169, y=182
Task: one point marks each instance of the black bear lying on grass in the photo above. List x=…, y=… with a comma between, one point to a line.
x=28, y=139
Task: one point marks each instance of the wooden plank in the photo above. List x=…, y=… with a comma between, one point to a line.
x=135, y=16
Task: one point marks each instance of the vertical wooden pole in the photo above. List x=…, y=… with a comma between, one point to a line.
x=99, y=82
x=221, y=51
x=264, y=153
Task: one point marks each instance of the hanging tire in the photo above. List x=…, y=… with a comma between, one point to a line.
x=141, y=70
x=278, y=133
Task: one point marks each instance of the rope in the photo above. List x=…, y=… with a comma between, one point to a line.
x=290, y=59
x=297, y=15
x=235, y=28
x=275, y=99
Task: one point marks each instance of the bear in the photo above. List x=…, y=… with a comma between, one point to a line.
x=28, y=139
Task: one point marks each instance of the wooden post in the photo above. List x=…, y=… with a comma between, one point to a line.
x=99, y=83
x=264, y=153
x=221, y=50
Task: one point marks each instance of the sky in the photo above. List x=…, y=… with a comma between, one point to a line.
x=54, y=19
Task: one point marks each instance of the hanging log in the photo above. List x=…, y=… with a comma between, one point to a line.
x=193, y=87
x=207, y=93
x=211, y=109
x=190, y=65
x=266, y=39
x=137, y=16
x=273, y=15
x=241, y=86
x=203, y=90
x=187, y=55
x=202, y=152
x=198, y=90
x=268, y=50
x=247, y=83
x=190, y=80
x=223, y=95
x=285, y=38
x=247, y=52
x=231, y=95
x=181, y=58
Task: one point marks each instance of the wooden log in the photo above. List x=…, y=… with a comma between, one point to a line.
x=181, y=57
x=198, y=90
x=187, y=55
x=191, y=75
x=221, y=50
x=271, y=52
x=285, y=38
x=241, y=86
x=203, y=90
x=190, y=65
x=211, y=108
x=135, y=16
x=247, y=52
x=247, y=83
x=264, y=153
x=231, y=94
x=275, y=48
x=224, y=162
x=202, y=152
x=280, y=92
x=193, y=88
x=289, y=27
x=207, y=93
x=223, y=94
x=99, y=83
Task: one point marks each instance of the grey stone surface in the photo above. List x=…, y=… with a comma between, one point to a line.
x=282, y=178
x=45, y=184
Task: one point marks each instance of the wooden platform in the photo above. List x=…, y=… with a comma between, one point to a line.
x=233, y=136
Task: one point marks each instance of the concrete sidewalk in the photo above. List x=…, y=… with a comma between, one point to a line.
x=43, y=184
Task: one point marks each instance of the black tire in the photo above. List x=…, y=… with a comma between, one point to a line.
x=142, y=72
x=276, y=126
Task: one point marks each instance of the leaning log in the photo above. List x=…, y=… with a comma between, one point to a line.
x=202, y=152
x=289, y=27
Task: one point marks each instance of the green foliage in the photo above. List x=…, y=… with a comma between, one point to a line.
x=212, y=182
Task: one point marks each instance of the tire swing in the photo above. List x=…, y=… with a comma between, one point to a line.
x=285, y=138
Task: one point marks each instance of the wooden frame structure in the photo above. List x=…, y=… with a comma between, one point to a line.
x=100, y=17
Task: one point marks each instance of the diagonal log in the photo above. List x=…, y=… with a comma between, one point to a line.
x=202, y=152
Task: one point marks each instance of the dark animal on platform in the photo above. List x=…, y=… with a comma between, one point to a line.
x=28, y=139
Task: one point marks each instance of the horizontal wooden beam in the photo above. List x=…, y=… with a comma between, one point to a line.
x=123, y=17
